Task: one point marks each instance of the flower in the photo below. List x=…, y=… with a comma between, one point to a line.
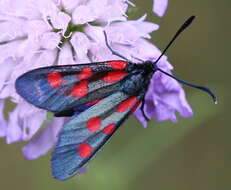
x=159, y=7
x=164, y=97
x=3, y=123
x=38, y=33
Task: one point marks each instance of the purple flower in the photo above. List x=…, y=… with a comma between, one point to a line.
x=38, y=33
x=159, y=7
x=3, y=123
x=164, y=97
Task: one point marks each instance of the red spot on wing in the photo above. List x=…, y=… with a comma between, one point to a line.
x=80, y=89
x=93, y=124
x=85, y=73
x=114, y=76
x=109, y=129
x=93, y=102
x=84, y=150
x=118, y=64
x=54, y=79
x=126, y=104
x=135, y=107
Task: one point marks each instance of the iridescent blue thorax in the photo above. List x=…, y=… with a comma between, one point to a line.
x=139, y=78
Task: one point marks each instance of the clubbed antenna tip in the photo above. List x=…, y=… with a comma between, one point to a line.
x=187, y=22
x=181, y=29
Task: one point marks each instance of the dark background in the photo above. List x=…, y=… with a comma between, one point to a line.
x=193, y=154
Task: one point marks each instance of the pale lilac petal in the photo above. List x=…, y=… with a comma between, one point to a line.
x=42, y=143
x=3, y=122
x=97, y=49
x=32, y=118
x=162, y=112
x=69, y=5
x=98, y=52
x=98, y=9
x=80, y=43
x=144, y=50
x=60, y=21
x=35, y=28
x=6, y=69
x=95, y=33
x=159, y=7
x=9, y=50
x=115, y=11
x=30, y=45
x=14, y=132
x=50, y=40
x=118, y=33
x=82, y=14
x=42, y=59
x=16, y=8
x=12, y=29
x=65, y=55
x=6, y=91
x=24, y=122
x=144, y=27
x=183, y=107
x=46, y=8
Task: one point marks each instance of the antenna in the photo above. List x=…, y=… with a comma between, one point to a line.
x=192, y=85
x=181, y=29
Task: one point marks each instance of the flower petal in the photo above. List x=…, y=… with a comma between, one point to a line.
x=50, y=40
x=3, y=122
x=60, y=20
x=14, y=132
x=42, y=143
x=24, y=121
x=69, y=5
x=12, y=29
x=159, y=7
x=81, y=44
x=65, y=55
x=82, y=14
x=164, y=97
x=6, y=69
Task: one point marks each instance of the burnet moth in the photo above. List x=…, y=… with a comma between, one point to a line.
x=98, y=96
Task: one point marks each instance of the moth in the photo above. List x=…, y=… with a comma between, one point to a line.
x=98, y=96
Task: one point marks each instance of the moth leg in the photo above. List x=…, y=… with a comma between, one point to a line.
x=142, y=110
x=112, y=51
x=138, y=59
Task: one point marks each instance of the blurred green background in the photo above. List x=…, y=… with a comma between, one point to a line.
x=193, y=154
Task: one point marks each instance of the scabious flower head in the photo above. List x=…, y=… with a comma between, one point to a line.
x=38, y=33
x=164, y=97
